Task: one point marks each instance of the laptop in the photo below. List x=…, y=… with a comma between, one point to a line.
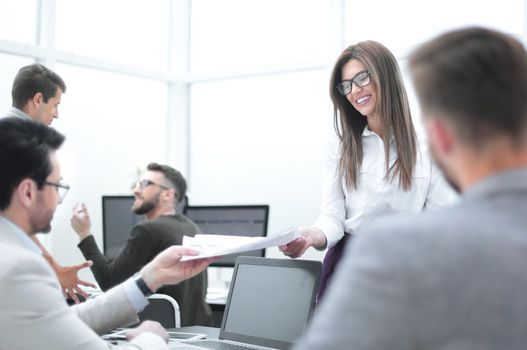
x=269, y=305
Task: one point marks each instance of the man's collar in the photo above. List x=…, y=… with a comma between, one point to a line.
x=15, y=112
x=21, y=236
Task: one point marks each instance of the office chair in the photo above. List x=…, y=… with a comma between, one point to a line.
x=163, y=309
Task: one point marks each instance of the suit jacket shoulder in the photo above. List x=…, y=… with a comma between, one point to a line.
x=449, y=278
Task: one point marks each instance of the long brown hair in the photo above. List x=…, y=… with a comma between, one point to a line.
x=393, y=108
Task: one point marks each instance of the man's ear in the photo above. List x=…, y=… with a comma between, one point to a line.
x=26, y=192
x=170, y=194
x=37, y=99
x=439, y=135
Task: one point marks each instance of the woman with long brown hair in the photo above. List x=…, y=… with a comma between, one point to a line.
x=375, y=166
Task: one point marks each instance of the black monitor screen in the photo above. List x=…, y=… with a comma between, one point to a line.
x=118, y=220
x=231, y=220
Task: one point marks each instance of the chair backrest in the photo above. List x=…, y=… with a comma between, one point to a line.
x=163, y=309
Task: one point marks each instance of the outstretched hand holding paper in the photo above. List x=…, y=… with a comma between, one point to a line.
x=217, y=245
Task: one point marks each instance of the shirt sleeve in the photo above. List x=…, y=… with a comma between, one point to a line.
x=333, y=206
x=134, y=294
x=136, y=253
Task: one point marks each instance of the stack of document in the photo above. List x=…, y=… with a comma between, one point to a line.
x=218, y=245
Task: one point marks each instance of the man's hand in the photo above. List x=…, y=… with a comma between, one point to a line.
x=148, y=326
x=167, y=267
x=80, y=221
x=69, y=279
x=67, y=276
x=309, y=237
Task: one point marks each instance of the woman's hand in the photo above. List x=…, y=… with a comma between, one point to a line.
x=309, y=237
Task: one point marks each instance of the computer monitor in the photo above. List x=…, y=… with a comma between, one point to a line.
x=232, y=220
x=118, y=220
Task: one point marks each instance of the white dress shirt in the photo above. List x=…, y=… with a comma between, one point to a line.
x=344, y=210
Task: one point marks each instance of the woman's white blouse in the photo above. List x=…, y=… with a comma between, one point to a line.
x=345, y=210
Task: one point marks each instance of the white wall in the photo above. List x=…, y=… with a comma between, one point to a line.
x=246, y=150
x=111, y=134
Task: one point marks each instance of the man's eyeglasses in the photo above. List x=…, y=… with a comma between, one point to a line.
x=361, y=79
x=62, y=189
x=145, y=183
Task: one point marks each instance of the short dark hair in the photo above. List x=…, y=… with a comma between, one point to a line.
x=173, y=176
x=477, y=79
x=25, y=148
x=33, y=79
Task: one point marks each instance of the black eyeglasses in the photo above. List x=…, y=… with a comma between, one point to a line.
x=62, y=189
x=145, y=183
x=361, y=79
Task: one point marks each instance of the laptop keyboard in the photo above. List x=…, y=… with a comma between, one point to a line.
x=215, y=345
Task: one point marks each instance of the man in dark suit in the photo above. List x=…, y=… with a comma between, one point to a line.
x=157, y=194
x=454, y=278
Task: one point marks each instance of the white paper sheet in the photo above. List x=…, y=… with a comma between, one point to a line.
x=218, y=245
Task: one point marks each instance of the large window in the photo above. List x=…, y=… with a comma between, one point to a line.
x=258, y=134
x=403, y=24
x=123, y=31
x=114, y=58
x=236, y=35
x=115, y=125
x=18, y=21
x=261, y=140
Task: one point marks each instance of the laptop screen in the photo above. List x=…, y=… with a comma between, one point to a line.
x=270, y=301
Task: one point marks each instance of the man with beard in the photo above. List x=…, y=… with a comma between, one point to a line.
x=454, y=278
x=156, y=196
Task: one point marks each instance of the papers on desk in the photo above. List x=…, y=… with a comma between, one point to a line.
x=219, y=245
